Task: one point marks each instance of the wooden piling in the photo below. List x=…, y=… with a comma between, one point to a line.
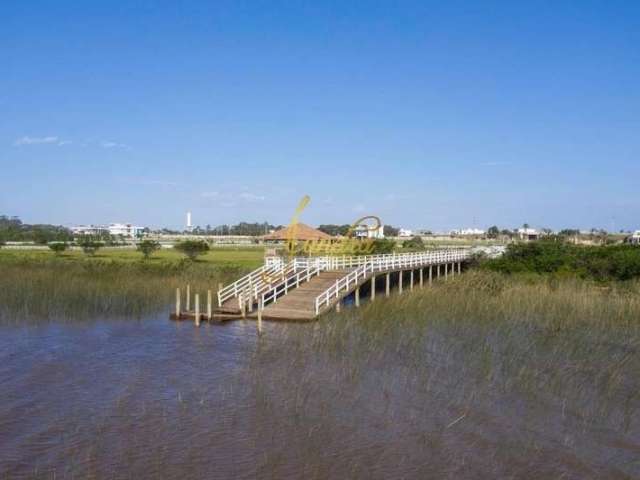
x=400, y=281
x=388, y=285
x=446, y=273
x=188, y=304
x=421, y=277
x=197, y=302
x=411, y=281
x=373, y=288
x=459, y=268
x=209, y=306
x=338, y=306
x=260, y=307
x=438, y=272
x=430, y=274
x=357, y=295
x=178, y=304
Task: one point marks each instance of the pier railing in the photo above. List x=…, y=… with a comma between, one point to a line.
x=292, y=281
x=381, y=263
x=252, y=282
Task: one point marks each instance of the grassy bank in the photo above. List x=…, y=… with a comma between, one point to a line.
x=37, y=285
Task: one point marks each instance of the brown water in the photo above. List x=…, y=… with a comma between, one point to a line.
x=158, y=399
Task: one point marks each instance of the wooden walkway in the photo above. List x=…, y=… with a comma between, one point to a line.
x=301, y=289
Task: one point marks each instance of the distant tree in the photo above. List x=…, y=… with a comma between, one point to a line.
x=334, y=230
x=383, y=245
x=147, y=247
x=58, y=247
x=414, y=243
x=192, y=248
x=390, y=231
x=89, y=245
x=493, y=232
x=2, y=243
x=569, y=232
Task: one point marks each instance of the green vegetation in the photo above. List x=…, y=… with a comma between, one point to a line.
x=89, y=245
x=58, y=247
x=12, y=229
x=147, y=247
x=415, y=243
x=603, y=263
x=39, y=285
x=192, y=248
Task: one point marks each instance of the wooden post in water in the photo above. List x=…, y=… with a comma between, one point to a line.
x=243, y=307
x=338, y=306
x=438, y=272
x=430, y=274
x=400, y=282
x=209, y=306
x=373, y=288
x=178, y=304
x=188, y=297
x=197, y=300
x=453, y=270
x=357, y=296
x=446, y=273
x=388, y=285
x=411, y=281
x=219, y=288
x=459, y=268
x=421, y=277
x=260, y=307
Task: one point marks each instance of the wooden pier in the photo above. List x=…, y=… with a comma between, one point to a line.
x=301, y=289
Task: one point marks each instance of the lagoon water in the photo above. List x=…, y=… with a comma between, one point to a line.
x=151, y=398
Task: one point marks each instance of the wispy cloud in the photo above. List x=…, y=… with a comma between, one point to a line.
x=228, y=199
x=110, y=144
x=494, y=164
x=151, y=182
x=26, y=140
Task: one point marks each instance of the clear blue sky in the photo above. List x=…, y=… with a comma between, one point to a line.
x=429, y=114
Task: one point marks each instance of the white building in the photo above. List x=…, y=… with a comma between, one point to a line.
x=364, y=231
x=468, y=232
x=405, y=232
x=94, y=230
x=125, y=230
x=528, y=234
x=635, y=238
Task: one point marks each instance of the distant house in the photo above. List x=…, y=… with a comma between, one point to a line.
x=125, y=230
x=405, y=232
x=298, y=232
x=95, y=230
x=528, y=234
x=468, y=232
x=635, y=238
x=364, y=231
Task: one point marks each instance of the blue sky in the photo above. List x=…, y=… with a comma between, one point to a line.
x=428, y=114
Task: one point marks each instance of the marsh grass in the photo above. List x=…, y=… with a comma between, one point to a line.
x=484, y=355
x=44, y=289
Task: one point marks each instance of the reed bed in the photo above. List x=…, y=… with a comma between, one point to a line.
x=58, y=290
x=511, y=365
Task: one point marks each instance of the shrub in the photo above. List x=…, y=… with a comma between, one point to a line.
x=58, y=247
x=89, y=245
x=147, y=247
x=414, y=243
x=192, y=248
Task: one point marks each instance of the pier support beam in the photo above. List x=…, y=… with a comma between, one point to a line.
x=373, y=288
x=197, y=300
x=430, y=274
x=388, y=285
x=459, y=268
x=400, y=281
x=446, y=273
x=188, y=303
x=338, y=305
x=411, y=281
x=178, y=304
x=421, y=277
x=357, y=295
x=260, y=307
x=438, y=272
x=209, y=306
